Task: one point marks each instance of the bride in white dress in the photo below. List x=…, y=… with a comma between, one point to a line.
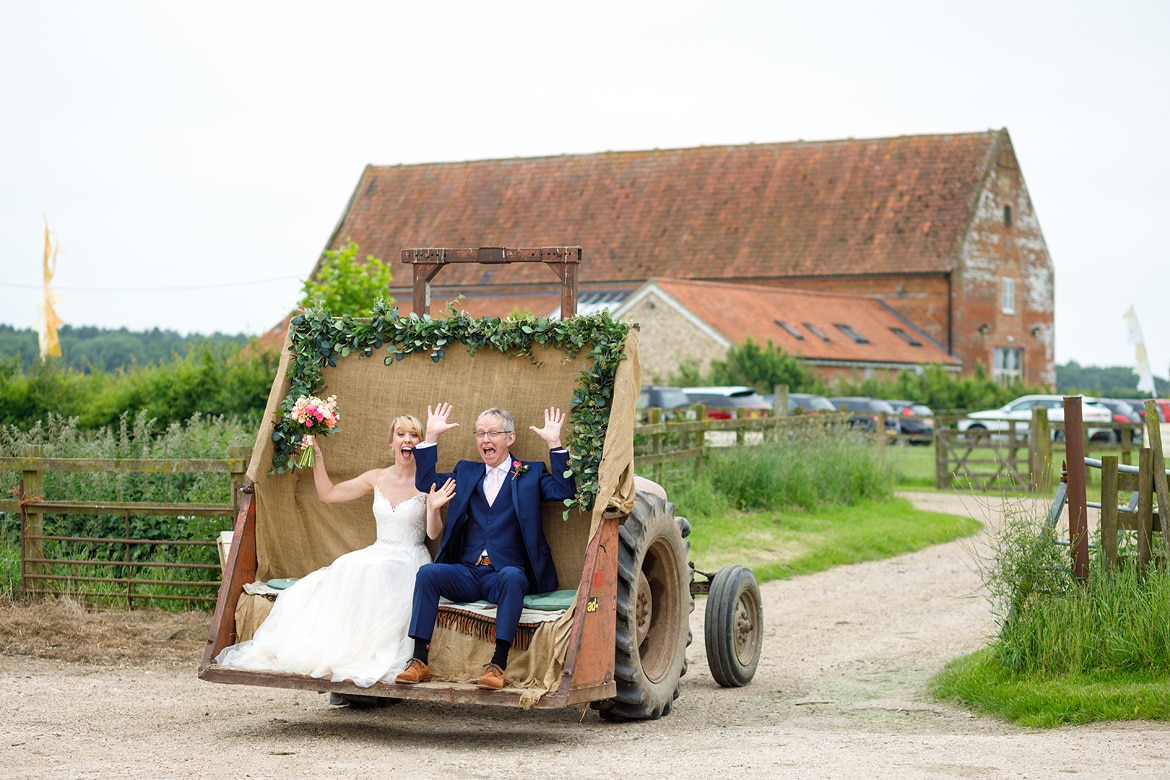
x=348, y=621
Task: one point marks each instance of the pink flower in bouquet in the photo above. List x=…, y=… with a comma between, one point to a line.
x=316, y=417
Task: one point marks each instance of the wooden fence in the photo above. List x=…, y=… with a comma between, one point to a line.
x=1022, y=457
x=1142, y=514
x=662, y=446
x=50, y=564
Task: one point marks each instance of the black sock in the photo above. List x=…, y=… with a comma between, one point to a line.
x=420, y=648
x=500, y=659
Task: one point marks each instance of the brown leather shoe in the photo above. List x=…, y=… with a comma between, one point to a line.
x=492, y=680
x=415, y=672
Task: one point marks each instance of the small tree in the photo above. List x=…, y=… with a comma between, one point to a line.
x=761, y=368
x=345, y=286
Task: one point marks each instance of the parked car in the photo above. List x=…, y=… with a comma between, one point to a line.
x=729, y=402
x=915, y=420
x=671, y=400
x=1020, y=410
x=807, y=403
x=867, y=412
x=1140, y=405
x=1123, y=412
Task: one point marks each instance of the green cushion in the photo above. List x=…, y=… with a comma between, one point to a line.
x=551, y=601
x=281, y=584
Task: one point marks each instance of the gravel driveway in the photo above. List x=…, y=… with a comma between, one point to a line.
x=839, y=693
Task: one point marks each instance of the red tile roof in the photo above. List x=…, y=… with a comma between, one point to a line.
x=887, y=205
x=738, y=311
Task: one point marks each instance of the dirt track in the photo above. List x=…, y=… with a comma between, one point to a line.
x=839, y=693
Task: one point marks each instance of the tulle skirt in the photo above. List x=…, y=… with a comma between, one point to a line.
x=347, y=621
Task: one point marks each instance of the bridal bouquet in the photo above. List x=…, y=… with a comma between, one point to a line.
x=313, y=417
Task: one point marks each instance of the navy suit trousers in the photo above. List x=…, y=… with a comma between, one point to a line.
x=505, y=588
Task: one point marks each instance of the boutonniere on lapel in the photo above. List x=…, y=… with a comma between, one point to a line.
x=518, y=468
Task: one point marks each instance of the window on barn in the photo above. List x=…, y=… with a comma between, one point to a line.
x=1008, y=365
x=791, y=330
x=1007, y=216
x=906, y=337
x=851, y=333
x=1008, y=295
x=813, y=330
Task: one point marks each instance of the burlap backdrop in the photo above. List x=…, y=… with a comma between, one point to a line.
x=296, y=533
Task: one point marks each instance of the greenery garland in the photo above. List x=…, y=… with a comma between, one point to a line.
x=319, y=339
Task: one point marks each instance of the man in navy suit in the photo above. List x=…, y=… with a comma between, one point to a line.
x=493, y=546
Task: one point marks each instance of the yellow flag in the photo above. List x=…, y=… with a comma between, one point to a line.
x=50, y=322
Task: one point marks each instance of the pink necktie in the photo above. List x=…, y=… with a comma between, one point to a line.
x=492, y=487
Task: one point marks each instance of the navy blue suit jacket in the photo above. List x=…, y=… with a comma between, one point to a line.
x=526, y=491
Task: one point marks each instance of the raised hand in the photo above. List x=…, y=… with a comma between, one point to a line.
x=551, y=432
x=439, y=496
x=437, y=421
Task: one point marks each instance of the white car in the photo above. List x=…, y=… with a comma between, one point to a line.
x=1020, y=410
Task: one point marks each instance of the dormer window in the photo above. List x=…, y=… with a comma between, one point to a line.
x=791, y=330
x=902, y=334
x=813, y=330
x=851, y=333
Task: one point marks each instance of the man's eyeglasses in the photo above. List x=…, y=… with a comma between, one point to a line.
x=490, y=434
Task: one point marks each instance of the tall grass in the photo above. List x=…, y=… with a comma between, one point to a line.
x=1052, y=624
x=800, y=469
x=1067, y=651
x=1119, y=621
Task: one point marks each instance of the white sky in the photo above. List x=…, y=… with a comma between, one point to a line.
x=193, y=159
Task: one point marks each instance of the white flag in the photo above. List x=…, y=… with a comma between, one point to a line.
x=1142, y=360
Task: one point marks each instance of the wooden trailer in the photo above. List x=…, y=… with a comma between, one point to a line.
x=618, y=638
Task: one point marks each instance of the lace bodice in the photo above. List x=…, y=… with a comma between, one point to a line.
x=402, y=524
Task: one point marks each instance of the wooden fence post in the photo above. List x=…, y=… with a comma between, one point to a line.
x=1109, y=510
x=239, y=459
x=1039, y=451
x=780, y=400
x=942, y=475
x=32, y=488
x=1078, y=508
x=1154, y=442
x=1145, y=509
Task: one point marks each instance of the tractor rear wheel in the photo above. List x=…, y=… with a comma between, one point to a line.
x=654, y=604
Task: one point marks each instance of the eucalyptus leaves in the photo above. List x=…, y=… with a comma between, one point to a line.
x=320, y=340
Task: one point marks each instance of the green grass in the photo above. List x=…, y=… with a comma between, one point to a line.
x=1066, y=651
x=777, y=545
x=983, y=683
x=913, y=467
x=802, y=503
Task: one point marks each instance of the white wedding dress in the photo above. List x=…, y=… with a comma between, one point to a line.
x=347, y=621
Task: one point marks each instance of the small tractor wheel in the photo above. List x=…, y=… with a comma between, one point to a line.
x=654, y=604
x=733, y=626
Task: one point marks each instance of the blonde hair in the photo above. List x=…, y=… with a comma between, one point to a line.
x=408, y=421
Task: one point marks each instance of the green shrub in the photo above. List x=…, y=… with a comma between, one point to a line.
x=762, y=369
x=212, y=379
x=342, y=285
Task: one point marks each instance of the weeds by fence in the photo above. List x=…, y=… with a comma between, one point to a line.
x=111, y=505
x=103, y=551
